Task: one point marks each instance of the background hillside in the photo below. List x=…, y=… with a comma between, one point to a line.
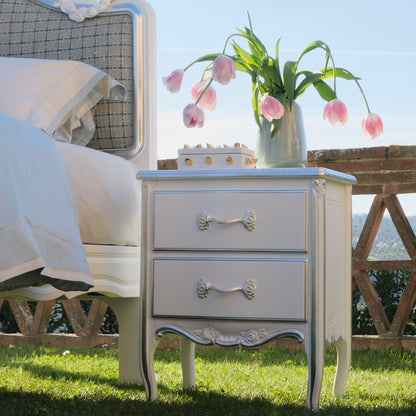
x=387, y=245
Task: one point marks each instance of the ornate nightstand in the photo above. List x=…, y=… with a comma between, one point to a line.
x=242, y=257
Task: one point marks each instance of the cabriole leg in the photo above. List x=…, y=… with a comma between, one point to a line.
x=343, y=365
x=147, y=368
x=188, y=362
x=315, y=357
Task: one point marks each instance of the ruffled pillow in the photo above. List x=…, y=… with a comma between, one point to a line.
x=58, y=97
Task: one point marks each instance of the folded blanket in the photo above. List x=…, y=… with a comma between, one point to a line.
x=39, y=232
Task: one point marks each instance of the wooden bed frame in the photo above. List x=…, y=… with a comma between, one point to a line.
x=120, y=41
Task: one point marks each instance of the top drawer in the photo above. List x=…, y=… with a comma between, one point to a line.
x=210, y=220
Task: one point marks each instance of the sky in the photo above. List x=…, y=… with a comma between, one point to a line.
x=373, y=39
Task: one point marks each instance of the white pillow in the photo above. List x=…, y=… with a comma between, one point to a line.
x=54, y=95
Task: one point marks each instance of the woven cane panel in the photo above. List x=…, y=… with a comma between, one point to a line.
x=106, y=42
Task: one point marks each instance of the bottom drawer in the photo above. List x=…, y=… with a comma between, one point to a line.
x=224, y=288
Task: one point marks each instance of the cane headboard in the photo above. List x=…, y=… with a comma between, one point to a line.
x=119, y=41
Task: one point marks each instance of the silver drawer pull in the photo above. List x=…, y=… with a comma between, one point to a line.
x=204, y=287
x=249, y=221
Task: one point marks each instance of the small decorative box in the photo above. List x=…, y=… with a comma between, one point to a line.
x=226, y=157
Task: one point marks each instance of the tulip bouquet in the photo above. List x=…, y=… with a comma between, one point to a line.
x=273, y=89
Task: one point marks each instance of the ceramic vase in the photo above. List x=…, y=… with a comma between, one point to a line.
x=287, y=147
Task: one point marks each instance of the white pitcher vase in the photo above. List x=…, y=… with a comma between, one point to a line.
x=287, y=147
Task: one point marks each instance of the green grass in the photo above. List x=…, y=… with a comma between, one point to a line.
x=272, y=381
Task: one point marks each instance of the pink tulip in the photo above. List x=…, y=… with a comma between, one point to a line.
x=174, y=80
x=372, y=125
x=197, y=89
x=208, y=101
x=193, y=116
x=223, y=69
x=336, y=112
x=271, y=108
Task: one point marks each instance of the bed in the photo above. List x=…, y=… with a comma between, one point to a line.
x=94, y=147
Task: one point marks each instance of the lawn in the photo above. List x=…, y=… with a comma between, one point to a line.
x=270, y=381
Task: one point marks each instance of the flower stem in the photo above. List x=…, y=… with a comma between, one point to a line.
x=329, y=56
x=205, y=70
x=203, y=91
x=335, y=77
x=263, y=59
x=187, y=67
x=362, y=92
x=227, y=40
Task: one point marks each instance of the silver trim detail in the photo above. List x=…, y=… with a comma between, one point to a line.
x=250, y=173
x=319, y=188
x=249, y=338
x=248, y=220
x=204, y=287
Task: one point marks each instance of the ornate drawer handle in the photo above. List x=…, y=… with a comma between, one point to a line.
x=249, y=221
x=249, y=289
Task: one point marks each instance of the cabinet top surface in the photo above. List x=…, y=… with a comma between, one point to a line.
x=285, y=173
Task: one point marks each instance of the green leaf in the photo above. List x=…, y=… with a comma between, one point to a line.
x=250, y=40
x=251, y=37
x=318, y=44
x=245, y=56
x=243, y=67
x=304, y=73
x=281, y=98
x=314, y=45
x=324, y=90
x=255, y=104
x=264, y=89
x=309, y=79
x=267, y=71
x=205, y=58
x=275, y=126
x=339, y=73
x=276, y=65
x=289, y=79
x=254, y=47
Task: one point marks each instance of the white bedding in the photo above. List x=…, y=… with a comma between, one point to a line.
x=39, y=235
x=55, y=96
x=106, y=195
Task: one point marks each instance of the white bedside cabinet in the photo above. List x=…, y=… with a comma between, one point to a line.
x=242, y=257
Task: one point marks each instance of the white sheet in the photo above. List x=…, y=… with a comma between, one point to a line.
x=106, y=194
x=38, y=224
